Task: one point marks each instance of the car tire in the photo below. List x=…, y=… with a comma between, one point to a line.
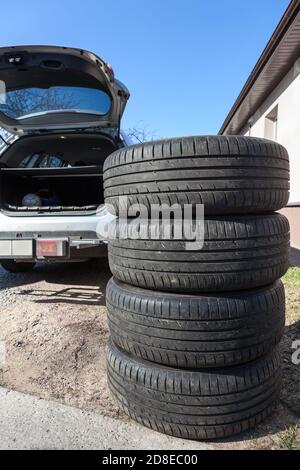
x=194, y=404
x=240, y=252
x=12, y=266
x=193, y=331
x=228, y=174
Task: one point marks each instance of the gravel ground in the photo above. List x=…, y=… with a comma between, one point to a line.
x=54, y=332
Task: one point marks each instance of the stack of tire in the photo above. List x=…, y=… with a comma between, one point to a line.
x=194, y=334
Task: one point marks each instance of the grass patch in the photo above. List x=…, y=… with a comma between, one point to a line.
x=291, y=438
x=292, y=277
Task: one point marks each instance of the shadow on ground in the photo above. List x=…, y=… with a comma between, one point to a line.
x=82, y=283
x=79, y=296
x=290, y=352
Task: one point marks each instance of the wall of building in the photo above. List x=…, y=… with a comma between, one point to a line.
x=287, y=127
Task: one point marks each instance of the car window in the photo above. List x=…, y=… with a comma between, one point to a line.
x=24, y=103
x=51, y=161
x=42, y=160
x=3, y=139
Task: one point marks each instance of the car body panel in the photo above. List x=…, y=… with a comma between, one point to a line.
x=84, y=235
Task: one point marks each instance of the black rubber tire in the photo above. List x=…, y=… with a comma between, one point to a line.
x=196, y=404
x=228, y=174
x=12, y=266
x=192, y=331
x=240, y=252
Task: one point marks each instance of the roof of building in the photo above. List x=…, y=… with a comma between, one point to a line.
x=274, y=63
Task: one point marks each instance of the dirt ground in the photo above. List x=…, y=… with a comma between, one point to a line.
x=53, y=327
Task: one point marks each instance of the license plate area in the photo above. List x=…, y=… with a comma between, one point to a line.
x=16, y=249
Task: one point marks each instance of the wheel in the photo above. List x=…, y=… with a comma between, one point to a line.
x=239, y=252
x=12, y=266
x=195, y=404
x=228, y=174
x=193, y=331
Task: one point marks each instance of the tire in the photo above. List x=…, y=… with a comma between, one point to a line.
x=240, y=252
x=192, y=331
x=12, y=266
x=228, y=174
x=195, y=404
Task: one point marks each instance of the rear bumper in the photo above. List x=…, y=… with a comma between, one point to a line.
x=18, y=235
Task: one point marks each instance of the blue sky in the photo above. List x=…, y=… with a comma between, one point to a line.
x=184, y=61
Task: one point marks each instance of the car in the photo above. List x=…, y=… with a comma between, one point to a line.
x=60, y=114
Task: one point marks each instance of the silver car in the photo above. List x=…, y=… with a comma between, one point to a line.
x=60, y=111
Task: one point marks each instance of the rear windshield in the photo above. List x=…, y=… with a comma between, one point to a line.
x=43, y=160
x=20, y=104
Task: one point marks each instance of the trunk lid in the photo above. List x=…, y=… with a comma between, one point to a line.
x=44, y=88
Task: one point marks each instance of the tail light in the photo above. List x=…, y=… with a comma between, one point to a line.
x=51, y=248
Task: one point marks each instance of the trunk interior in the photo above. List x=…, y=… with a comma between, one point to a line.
x=54, y=174
x=57, y=190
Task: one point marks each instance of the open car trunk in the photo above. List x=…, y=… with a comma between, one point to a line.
x=61, y=190
x=54, y=174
